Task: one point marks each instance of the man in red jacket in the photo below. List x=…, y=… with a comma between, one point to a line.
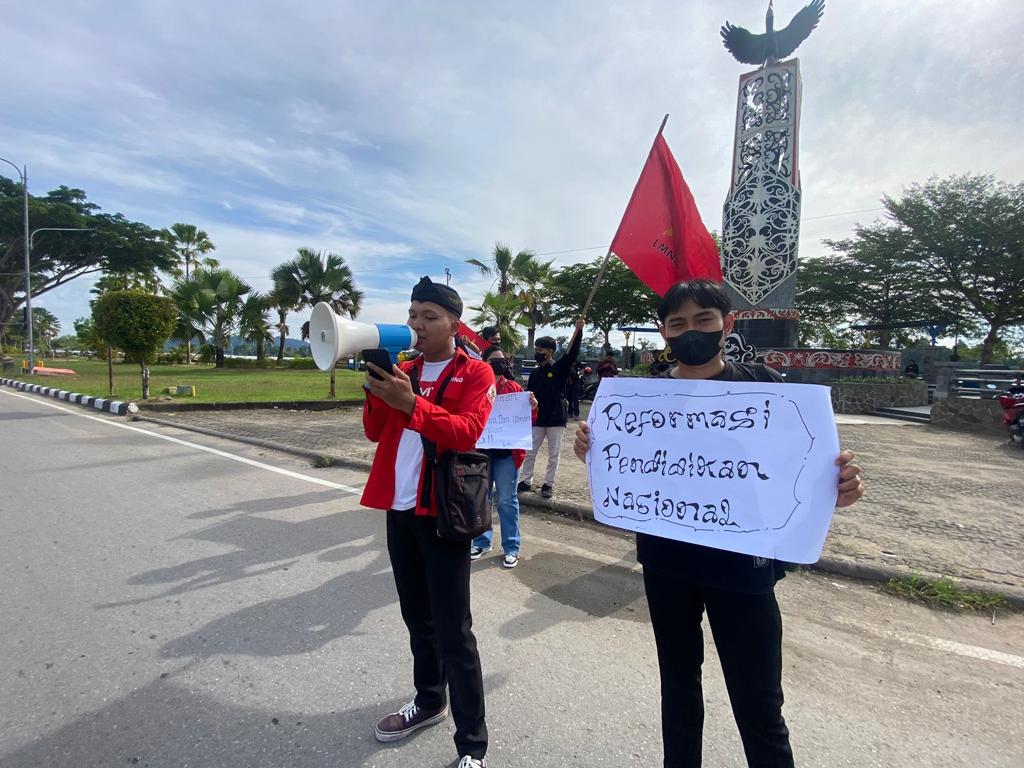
x=444, y=396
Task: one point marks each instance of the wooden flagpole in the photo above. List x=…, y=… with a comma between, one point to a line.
x=608, y=256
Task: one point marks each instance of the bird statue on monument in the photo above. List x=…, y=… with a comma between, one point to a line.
x=773, y=45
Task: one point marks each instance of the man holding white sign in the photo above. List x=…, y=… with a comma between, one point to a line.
x=507, y=435
x=719, y=470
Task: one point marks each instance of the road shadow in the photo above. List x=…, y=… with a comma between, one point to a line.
x=298, y=623
x=591, y=589
x=164, y=724
x=257, y=544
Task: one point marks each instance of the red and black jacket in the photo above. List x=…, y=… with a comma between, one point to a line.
x=454, y=425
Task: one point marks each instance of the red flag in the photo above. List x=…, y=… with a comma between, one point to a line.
x=468, y=334
x=661, y=237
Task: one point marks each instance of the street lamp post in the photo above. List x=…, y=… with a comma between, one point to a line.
x=23, y=172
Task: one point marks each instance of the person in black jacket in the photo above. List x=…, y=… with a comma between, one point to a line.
x=547, y=382
x=683, y=580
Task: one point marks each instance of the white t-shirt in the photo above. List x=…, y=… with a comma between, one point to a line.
x=410, y=448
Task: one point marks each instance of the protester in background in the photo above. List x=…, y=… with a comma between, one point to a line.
x=446, y=397
x=606, y=368
x=547, y=381
x=491, y=335
x=574, y=390
x=682, y=580
x=912, y=371
x=505, y=465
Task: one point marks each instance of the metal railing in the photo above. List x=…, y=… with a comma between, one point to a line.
x=982, y=383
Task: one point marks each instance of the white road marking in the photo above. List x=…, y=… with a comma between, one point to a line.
x=196, y=446
x=961, y=649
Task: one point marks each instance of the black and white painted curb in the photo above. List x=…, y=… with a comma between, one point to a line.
x=116, y=407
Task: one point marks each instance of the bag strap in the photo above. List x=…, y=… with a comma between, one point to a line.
x=429, y=446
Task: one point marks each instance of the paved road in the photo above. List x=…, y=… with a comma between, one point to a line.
x=165, y=605
x=940, y=503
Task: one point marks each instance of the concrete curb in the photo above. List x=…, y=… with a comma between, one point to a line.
x=285, y=405
x=585, y=513
x=116, y=407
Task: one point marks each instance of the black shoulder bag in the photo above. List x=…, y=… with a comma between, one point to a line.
x=458, y=481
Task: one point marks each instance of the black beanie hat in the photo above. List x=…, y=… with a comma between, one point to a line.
x=442, y=295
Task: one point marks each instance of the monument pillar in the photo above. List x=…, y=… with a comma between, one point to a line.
x=761, y=215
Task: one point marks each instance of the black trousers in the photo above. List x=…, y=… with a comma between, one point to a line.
x=748, y=635
x=432, y=577
x=574, y=405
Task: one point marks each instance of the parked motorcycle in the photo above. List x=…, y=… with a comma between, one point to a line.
x=1012, y=403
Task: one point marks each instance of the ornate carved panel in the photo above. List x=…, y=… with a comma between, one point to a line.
x=737, y=349
x=761, y=216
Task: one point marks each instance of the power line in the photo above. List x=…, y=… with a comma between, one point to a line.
x=844, y=213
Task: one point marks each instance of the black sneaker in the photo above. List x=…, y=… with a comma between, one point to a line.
x=524, y=488
x=546, y=491
x=475, y=553
x=406, y=721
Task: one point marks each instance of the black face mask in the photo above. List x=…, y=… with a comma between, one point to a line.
x=500, y=367
x=540, y=357
x=696, y=347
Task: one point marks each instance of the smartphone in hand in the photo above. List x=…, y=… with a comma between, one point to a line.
x=379, y=357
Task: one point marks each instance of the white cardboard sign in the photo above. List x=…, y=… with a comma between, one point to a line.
x=743, y=466
x=510, y=423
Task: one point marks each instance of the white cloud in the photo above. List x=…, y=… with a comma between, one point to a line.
x=409, y=136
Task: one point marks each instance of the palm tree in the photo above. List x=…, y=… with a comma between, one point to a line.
x=46, y=326
x=281, y=304
x=126, y=281
x=503, y=311
x=209, y=305
x=252, y=323
x=190, y=243
x=502, y=266
x=532, y=278
x=312, y=277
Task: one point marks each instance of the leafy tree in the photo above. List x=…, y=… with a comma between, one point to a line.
x=208, y=306
x=872, y=278
x=85, y=331
x=115, y=245
x=45, y=327
x=621, y=299
x=136, y=322
x=253, y=325
x=968, y=232
x=312, y=277
x=824, y=304
x=502, y=310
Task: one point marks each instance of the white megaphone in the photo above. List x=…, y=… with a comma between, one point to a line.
x=332, y=337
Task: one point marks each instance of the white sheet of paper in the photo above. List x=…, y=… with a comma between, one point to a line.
x=743, y=466
x=510, y=423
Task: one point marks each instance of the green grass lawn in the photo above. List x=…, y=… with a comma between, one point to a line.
x=227, y=385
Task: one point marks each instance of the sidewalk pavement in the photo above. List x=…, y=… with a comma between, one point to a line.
x=939, y=503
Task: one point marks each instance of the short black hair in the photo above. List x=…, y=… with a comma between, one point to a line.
x=704, y=293
x=489, y=332
x=546, y=342
x=489, y=351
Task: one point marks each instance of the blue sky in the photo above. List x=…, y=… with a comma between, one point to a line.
x=409, y=136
